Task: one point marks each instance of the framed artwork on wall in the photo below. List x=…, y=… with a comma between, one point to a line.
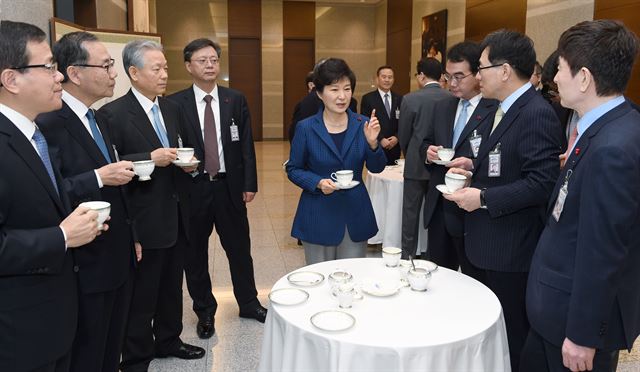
x=434, y=36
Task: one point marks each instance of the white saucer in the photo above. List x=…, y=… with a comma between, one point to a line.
x=305, y=278
x=333, y=320
x=349, y=186
x=381, y=288
x=442, y=162
x=185, y=163
x=288, y=296
x=443, y=189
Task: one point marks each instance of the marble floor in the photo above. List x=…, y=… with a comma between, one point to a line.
x=236, y=345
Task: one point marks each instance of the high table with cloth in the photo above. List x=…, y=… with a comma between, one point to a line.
x=460, y=326
x=385, y=190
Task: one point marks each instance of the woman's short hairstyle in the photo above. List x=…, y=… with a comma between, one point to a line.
x=330, y=71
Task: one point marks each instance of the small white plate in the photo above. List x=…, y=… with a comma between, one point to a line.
x=442, y=162
x=185, y=163
x=443, y=189
x=333, y=320
x=381, y=289
x=288, y=296
x=305, y=278
x=349, y=186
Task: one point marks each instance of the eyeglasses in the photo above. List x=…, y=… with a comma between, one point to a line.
x=107, y=66
x=51, y=67
x=480, y=68
x=455, y=77
x=203, y=61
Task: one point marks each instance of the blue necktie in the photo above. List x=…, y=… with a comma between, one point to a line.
x=43, y=151
x=162, y=134
x=460, y=123
x=97, y=136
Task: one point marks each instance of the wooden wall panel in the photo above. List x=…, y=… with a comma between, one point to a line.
x=85, y=13
x=627, y=11
x=399, y=12
x=485, y=16
x=299, y=19
x=245, y=18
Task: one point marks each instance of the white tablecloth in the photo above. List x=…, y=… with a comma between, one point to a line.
x=461, y=329
x=385, y=191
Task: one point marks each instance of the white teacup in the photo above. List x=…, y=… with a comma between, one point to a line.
x=345, y=293
x=143, y=169
x=400, y=162
x=391, y=256
x=185, y=154
x=103, y=208
x=342, y=177
x=419, y=279
x=454, y=181
x=445, y=153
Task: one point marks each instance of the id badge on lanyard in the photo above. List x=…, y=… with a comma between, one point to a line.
x=495, y=161
x=235, y=135
x=562, y=196
x=475, y=140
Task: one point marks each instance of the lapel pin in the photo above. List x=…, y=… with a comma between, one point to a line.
x=577, y=151
x=478, y=117
x=359, y=118
x=226, y=100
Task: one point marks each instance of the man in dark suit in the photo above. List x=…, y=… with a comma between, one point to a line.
x=417, y=113
x=583, y=299
x=91, y=171
x=144, y=126
x=513, y=176
x=463, y=116
x=387, y=106
x=38, y=287
x=218, y=121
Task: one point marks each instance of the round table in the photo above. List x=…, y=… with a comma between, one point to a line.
x=461, y=328
x=385, y=190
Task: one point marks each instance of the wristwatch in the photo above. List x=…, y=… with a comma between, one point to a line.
x=483, y=203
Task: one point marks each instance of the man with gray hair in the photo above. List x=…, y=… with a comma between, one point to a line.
x=144, y=126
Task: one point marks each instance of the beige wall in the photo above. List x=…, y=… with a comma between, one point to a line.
x=36, y=12
x=111, y=14
x=272, y=57
x=455, y=26
x=547, y=19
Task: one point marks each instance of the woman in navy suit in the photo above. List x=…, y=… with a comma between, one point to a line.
x=334, y=222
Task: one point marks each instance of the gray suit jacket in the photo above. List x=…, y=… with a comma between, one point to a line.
x=417, y=114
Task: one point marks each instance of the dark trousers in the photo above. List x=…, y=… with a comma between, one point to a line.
x=62, y=364
x=215, y=207
x=446, y=249
x=413, y=192
x=510, y=288
x=102, y=319
x=155, y=317
x=539, y=355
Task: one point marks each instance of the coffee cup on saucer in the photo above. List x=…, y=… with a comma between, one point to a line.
x=445, y=153
x=454, y=181
x=419, y=279
x=391, y=256
x=342, y=177
x=185, y=154
x=102, y=207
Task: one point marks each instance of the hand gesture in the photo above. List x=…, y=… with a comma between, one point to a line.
x=327, y=186
x=191, y=168
x=371, y=130
x=81, y=227
x=164, y=156
x=432, y=153
x=116, y=174
x=576, y=357
x=461, y=162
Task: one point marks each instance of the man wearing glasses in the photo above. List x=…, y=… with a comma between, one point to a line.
x=464, y=116
x=513, y=176
x=218, y=121
x=92, y=171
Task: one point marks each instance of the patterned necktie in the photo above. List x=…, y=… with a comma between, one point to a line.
x=97, y=136
x=497, y=118
x=460, y=123
x=160, y=131
x=387, y=105
x=211, y=157
x=43, y=152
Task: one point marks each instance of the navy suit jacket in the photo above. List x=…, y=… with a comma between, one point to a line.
x=388, y=125
x=321, y=219
x=503, y=237
x=441, y=134
x=105, y=263
x=38, y=289
x=584, y=282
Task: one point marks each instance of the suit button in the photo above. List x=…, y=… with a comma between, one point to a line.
x=76, y=268
x=174, y=196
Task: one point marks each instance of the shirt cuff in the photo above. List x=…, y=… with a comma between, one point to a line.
x=100, y=184
x=64, y=234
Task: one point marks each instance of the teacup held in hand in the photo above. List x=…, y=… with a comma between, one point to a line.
x=446, y=154
x=185, y=154
x=143, y=169
x=342, y=177
x=103, y=208
x=454, y=181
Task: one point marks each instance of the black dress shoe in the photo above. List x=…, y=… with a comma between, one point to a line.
x=206, y=327
x=257, y=312
x=183, y=351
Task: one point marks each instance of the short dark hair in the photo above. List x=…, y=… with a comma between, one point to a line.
x=385, y=67
x=550, y=68
x=309, y=78
x=466, y=51
x=514, y=48
x=331, y=71
x=14, y=37
x=69, y=51
x=606, y=47
x=430, y=67
x=198, y=44
x=537, y=68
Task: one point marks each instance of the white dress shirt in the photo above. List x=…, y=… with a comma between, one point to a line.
x=147, y=106
x=473, y=103
x=215, y=106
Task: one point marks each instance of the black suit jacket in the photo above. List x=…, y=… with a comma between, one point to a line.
x=504, y=236
x=584, y=280
x=239, y=156
x=441, y=134
x=155, y=204
x=39, y=306
x=388, y=125
x=105, y=263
